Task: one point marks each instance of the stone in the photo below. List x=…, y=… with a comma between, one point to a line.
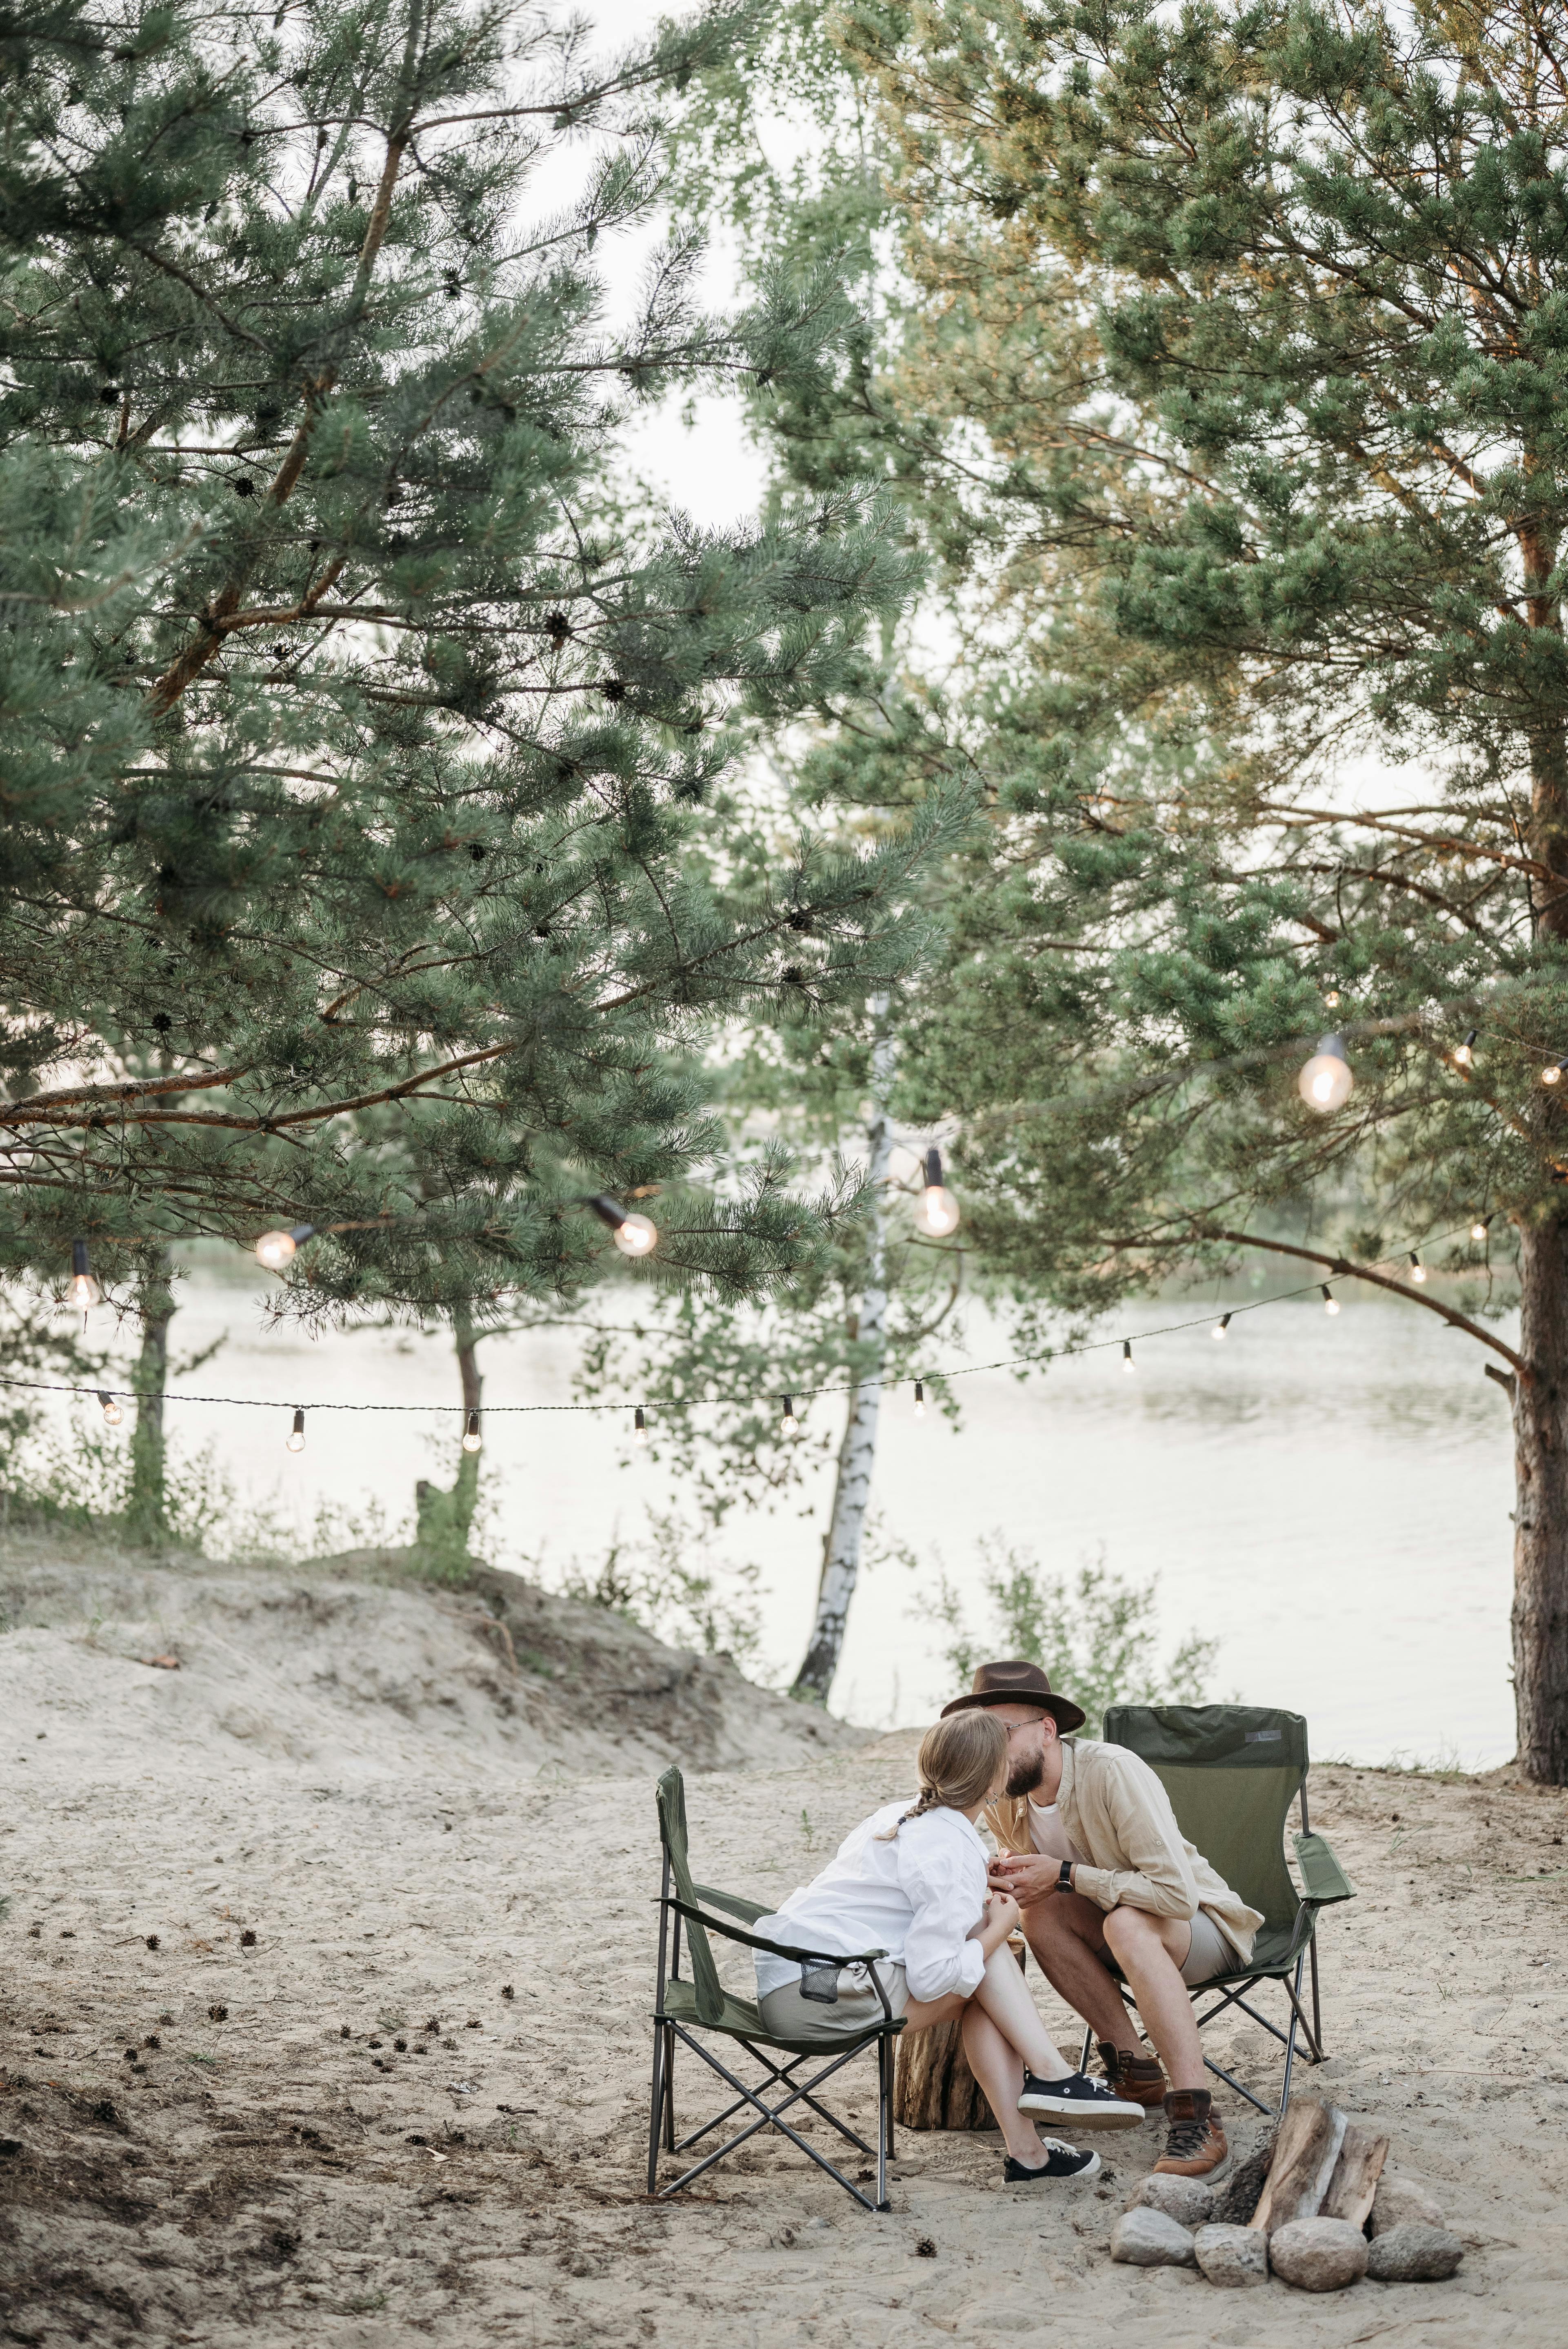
x=1412, y=2253
x=1143, y=2238
x=1403, y=2202
x=1237, y=2196
x=1186, y=2200
x=1318, y=2254
x=1232, y=2255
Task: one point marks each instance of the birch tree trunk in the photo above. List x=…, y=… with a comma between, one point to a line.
x=858, y=1451
x=444, y=1517
x=146, y=1504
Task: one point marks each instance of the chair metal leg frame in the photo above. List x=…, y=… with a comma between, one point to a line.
x=768, y=2118
x=1313, y=2048
x=776, y=2077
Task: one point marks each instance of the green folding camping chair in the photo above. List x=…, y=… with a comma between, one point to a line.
x=683, y=2007
x=1232, y=1772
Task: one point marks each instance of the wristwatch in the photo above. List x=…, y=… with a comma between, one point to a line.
x=1065, y=1877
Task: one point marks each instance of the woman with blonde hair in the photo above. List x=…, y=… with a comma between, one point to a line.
x=910, y=1879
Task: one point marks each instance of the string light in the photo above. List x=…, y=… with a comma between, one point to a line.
x=634, y=1234
x=1479, y=1229
x=1127, y=1361
x=1418, y=1269
x=294, y=1440
x=276, y=1250
x=920, y=1399
x=788, y=1424
x=1330, y=1302
x=472, y=1440
x=1220, y=1326
x=1331, y=1000
x=1552, y=1073
x=111, y=1409
x=640, y=1427
x=83, y=1291
x=1464, y=1053
x=1325, y=1081
x=937, y=1214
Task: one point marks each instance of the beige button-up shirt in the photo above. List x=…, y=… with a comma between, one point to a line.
x=1114, y=1809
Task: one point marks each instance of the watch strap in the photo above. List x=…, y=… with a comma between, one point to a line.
x=1065, y=1877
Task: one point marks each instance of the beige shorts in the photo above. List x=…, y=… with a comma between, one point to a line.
x=1211, y=1953
x=788, y=2015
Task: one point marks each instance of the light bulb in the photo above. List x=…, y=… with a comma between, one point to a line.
x=1463, y=1053
x=788, y=1424
x=294, y=1440
x=276, y=1250
x=1552, y=1075
x=1418, y=1269
x=473, y=1439
x=1127, y=1361
x=111, y=1409
x=1330, y=1302
x=82, y=1290
x=1220, y=1326
x=920, y=1399
x=1326, y=1082
x=632, y=1235
x=1478, y=1230
x=937, y=1214
x=640, y=1426
x=1331, y=1000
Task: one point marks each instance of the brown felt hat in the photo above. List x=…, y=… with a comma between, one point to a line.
x=1018, y=1683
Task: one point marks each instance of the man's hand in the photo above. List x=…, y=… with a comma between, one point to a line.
x=1027, y=1875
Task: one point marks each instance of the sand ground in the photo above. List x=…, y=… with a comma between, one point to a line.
x=414, y=2108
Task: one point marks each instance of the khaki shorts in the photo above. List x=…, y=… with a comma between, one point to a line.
x=788, y=2015
x=1211, y=1953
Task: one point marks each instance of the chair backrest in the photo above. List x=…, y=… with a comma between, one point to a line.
x=670, y=1796
x=1232, y=1771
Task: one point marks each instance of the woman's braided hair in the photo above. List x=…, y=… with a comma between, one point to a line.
x=960, y=1761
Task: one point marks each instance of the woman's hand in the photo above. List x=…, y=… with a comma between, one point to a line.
x=1004, y=1913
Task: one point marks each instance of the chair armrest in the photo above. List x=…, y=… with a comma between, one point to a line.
x=735, y=1903
x=1321, y=1874
x=778, y=1949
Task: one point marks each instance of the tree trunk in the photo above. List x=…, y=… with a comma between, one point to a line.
x=933, y=2088
x=146, y=1510
x=1541, y=1513
x=444, y=1519
x=858, y=1451
x=1541, y=1402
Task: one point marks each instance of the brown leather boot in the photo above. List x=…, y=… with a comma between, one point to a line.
x=1196, y=2144
x=1140, y=2078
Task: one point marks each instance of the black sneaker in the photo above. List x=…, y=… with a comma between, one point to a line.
x=1061, y=2161
x=1087, y=2104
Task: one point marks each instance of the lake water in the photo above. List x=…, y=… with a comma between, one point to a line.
x=1330, y=1498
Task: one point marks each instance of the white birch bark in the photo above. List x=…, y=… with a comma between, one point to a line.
x=858, y=1450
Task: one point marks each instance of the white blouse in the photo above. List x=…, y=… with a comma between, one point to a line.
x=917, y=1898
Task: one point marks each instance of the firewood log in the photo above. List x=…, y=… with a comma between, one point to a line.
x=1306, y=2151
x=1356, y=2175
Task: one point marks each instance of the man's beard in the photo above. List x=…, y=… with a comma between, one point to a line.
x=1025, y=1777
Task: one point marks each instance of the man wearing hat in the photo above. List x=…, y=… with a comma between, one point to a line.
x=1089, y=1847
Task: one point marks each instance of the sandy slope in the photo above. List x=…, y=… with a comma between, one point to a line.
x=259, y=2175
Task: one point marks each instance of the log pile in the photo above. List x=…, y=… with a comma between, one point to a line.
x=1325, y=2215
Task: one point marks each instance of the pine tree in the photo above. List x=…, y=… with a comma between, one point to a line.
x=1229, y=389
x=355, y=728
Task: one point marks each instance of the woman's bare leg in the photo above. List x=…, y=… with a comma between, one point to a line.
x=1005, y=1995
x=999, y=2069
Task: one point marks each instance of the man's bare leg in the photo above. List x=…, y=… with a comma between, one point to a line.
x=1067, y=1934
x=1150, y=1951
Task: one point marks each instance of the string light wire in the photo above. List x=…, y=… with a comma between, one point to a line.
x=689, y=1402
